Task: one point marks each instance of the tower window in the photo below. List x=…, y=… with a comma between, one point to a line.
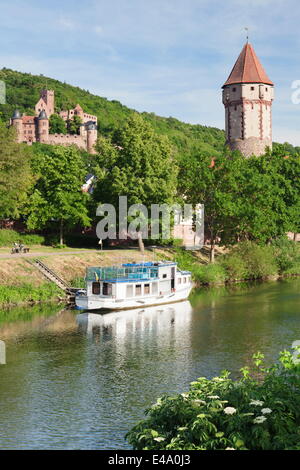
x=266, y=89
x=252, y=88
x=233, y=89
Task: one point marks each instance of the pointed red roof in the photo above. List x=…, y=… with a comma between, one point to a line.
x=248, y=69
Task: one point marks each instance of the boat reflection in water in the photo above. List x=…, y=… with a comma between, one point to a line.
x=120, y=324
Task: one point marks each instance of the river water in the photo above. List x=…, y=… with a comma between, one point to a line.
x=81, y=381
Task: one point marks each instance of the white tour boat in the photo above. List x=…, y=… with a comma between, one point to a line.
x=134, y=285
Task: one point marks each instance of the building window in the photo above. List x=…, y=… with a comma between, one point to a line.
x=233, y=89
x=266, y=89
x=138, y=289
x=96, y=288
x=147, y=289
x=107, y=288
x=235, y=108
x=154, y=288
x=184, y=280
x=252, y=88
x=164, y=276
x=179, y=280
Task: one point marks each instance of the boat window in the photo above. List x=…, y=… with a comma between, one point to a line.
x=138, y=289
x=107, y=288
x=96, y=288
x=129, y=291
x=147, y=289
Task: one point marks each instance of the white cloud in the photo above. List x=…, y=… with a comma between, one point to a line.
x=66, y=24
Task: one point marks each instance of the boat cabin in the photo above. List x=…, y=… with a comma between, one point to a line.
x=133, y=280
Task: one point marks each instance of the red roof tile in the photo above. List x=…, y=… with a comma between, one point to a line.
x=248, y=69
x=27, y=119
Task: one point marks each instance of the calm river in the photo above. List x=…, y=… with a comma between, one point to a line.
x=81, y=381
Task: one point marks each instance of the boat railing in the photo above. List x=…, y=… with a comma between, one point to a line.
x=117, y=273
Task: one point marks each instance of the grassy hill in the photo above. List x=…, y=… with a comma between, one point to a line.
x=23, y=91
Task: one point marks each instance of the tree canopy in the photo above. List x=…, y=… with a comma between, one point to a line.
x=15, y=173
x=57, y=197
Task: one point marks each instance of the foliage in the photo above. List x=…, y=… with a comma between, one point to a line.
x=257, y=412
x=210, y=274
x=234, y=266
x=136, y=163
x=15, y=175
x=74, y=125
x=57, y=125
x=259, y=259
x=8, y=237
x=57, y=196
x=26, y=292
x=287, y=254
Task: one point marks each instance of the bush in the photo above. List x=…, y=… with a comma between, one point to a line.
x=28, y=293
x=287, y=254
x=234, y=266
x=250, y=413
x=259, y=260
x=210, y=274
x=8, y=237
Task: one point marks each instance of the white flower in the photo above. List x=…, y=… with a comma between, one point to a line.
x=213, y=397
x=200, y=402
x=230, y=448
x=159, y=439
x=184, y=395
x=256, y=402
x=259, y=420
x=266, y=411
x=229, y=410
x=218, y=379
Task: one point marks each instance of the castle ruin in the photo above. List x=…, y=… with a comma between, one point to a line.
x=36, y=128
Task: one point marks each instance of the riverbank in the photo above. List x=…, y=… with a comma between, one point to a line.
x=21, y=282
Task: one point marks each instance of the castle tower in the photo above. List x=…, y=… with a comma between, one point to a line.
x=46, y=102
x=91, y=137
x=43, y=127
x=17, y=122
x=247, y=96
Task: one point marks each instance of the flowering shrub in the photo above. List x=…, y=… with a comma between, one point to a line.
x=258, y=412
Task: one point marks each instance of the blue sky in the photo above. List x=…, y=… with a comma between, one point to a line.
x=170, y=57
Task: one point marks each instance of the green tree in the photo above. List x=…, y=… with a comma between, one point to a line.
x=214, y=182
x=57, y=125
x=136, y=163
x=57, y=196
x=15, y=173
x=74, y=125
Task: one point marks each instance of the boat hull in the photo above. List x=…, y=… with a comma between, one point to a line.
x=93, y=303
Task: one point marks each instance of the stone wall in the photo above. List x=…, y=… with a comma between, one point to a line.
x=67, y=139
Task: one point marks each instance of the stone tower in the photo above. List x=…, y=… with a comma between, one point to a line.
x=17, y=122
x=91, y=137
x=45, y=102
x=247, y=96
x=43, y=127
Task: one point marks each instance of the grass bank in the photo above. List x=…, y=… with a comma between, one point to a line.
x=21, y=282
x=247, y=261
